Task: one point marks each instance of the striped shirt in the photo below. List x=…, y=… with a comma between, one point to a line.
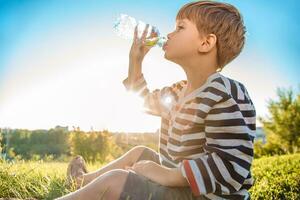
x=207, y=133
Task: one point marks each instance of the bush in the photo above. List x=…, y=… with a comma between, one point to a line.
x=276, y=177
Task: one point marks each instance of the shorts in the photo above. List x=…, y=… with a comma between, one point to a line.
x=138, y=187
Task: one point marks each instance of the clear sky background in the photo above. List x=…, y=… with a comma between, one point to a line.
x=62, y=64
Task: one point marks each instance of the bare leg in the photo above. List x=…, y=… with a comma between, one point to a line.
x=107, y=186
x=127, y=159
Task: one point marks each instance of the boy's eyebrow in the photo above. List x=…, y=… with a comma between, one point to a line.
x=181, y=21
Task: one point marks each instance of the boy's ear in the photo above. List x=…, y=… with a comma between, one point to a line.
x=207, y=43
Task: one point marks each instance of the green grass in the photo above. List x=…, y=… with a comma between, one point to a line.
x=276, y=177
x=40, y=180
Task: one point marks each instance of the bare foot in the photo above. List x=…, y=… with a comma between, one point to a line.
x=76, y=170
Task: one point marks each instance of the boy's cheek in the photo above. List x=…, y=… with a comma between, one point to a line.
x=178, y=51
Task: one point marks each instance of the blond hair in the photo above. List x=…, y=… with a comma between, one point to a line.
x=221, y=19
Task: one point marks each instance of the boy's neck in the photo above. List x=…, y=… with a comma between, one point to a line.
x=197, y=74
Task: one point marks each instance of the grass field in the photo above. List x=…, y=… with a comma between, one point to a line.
x=276, y=177
x=34, y=179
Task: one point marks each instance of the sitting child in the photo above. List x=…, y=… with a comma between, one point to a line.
x=207, y=121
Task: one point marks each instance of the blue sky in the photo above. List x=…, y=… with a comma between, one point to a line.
x=61, y=63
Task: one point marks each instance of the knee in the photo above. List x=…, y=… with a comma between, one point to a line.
x=114, y=182
x=136, y=152
x=139, y=148
x=115, y=177
x=117, y=172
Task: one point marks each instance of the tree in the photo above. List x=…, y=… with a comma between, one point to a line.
x=282, y=127
x=92, y=146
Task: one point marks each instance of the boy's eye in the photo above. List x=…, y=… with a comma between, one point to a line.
x=179, y=27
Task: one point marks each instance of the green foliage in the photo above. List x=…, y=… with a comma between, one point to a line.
x=92, y=146
x=59, y=144
x=282, y=127
x=28, y=144
x=0, y=142
x=276, y=177
x=272, y=147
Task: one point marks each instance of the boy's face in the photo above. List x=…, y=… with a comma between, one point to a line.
x=183, y=42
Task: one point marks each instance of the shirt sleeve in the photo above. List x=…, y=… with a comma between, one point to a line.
x=156, y=102
x=228, y=150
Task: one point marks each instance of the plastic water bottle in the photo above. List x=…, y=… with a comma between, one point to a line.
x=124, y=27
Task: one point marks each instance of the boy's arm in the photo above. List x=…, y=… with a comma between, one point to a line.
x=156, y=102
x=160, y=174
x=229, y=135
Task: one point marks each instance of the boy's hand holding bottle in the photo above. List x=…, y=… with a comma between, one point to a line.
x=126, y=26
x=138, y=50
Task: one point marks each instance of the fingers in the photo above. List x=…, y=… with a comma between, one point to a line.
x=143, y=37
x=135, y=38
x=145, y=32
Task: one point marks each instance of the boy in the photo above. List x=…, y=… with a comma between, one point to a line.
x=207, y=121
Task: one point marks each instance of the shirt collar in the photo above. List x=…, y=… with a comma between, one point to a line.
x=196, y=92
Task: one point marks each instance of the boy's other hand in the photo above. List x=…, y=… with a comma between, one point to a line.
x=141, y=167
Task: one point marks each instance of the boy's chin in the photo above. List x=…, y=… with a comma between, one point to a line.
x=171, y=59
x=167, y=56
